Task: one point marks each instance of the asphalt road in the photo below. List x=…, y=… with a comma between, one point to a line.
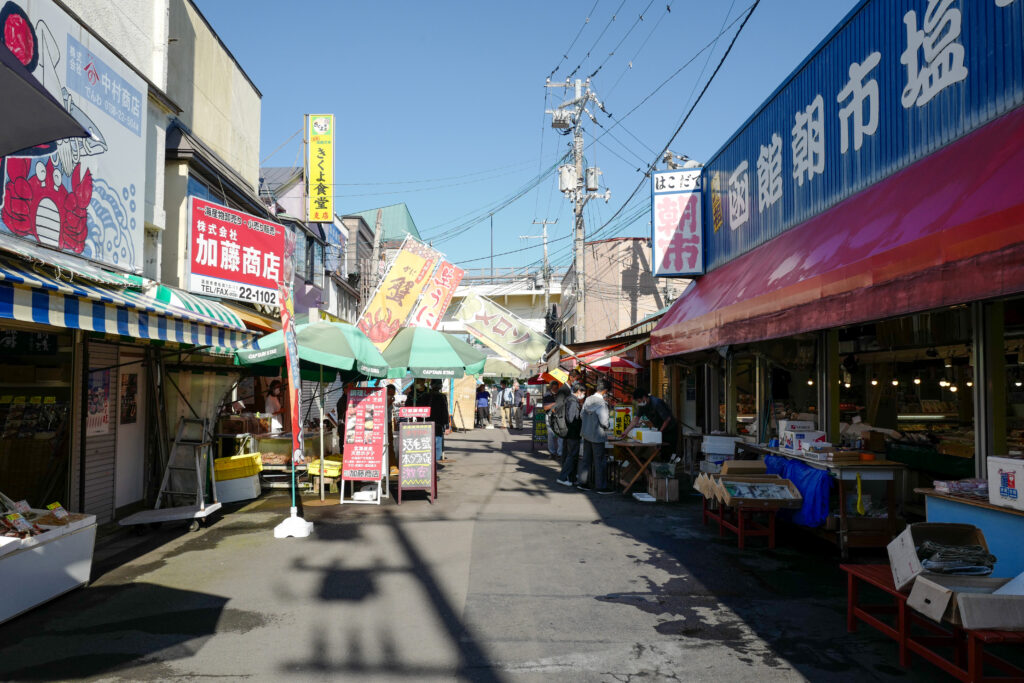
x=508, y=576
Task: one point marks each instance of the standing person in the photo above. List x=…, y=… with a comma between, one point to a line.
x=567, y=411
x=483, y=406
x=438, y=404
x=519, y=402
x=547, y=402
x=657, y=412
x=507, y=402
x=272, y=405
x=597, y=426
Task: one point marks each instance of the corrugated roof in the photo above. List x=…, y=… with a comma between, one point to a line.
x=396, y=219
x=273, y=178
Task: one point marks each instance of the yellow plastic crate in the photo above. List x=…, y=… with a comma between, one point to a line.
x=238, y=466
x=332, y=466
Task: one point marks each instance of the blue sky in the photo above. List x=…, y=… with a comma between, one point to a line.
x=441, y=104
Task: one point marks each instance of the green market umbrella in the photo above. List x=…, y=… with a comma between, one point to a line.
x=429, y=353
x=500, y=367
x=322, y=345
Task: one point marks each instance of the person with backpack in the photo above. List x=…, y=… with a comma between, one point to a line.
x=566, y=422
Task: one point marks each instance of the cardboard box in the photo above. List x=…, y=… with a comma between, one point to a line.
x=796, y=441
x=1006, y=481
x=903, y=549
x=795, y=425
x=663, y=489
x=967, y=601
x=719, y=444
x=743, y=467
x=766, y=503
x=646, y=435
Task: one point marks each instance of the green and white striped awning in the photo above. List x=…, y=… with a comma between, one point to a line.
x=198, y=304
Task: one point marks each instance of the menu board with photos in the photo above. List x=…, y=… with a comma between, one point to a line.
x=366, y=429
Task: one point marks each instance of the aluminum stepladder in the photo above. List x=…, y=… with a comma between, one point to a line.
x=188, y=462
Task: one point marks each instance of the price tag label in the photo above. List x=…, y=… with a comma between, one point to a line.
x=36, y=400
x=6, y=398
x=58, y=510
x=19, y=399
x=18, y=522
x=49, y=400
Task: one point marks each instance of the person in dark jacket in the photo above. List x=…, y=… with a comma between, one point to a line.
x=438, y=403
x=569, y=400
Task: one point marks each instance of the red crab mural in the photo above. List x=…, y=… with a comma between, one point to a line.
x=39, y=205
x=380, y=327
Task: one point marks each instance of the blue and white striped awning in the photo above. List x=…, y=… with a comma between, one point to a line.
x=198, y=304
x=31, y=296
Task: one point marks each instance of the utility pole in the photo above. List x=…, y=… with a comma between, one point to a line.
x=579, y=185
x=547, y=270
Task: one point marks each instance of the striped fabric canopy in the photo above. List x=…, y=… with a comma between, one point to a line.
x=30, y=296
x=199, y=304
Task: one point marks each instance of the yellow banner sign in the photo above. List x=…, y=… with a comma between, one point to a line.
x=396, y=296
x=320, y=168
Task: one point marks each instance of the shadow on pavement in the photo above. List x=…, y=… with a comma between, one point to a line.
x=165, y=623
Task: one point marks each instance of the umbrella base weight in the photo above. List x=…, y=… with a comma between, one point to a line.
x=293, y=526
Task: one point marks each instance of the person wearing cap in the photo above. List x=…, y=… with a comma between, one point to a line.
x=438, y=404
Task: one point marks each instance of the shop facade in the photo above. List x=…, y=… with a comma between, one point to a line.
x=864, y=247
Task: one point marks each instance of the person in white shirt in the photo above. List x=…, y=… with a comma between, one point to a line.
x=272, y=405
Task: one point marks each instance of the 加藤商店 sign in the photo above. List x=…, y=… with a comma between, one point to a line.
x=233, y=255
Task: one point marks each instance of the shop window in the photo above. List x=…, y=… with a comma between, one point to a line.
x=911, y=379
x=1013, y=344
x=35, y=412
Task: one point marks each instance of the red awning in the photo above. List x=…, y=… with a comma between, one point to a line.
x=947, y=230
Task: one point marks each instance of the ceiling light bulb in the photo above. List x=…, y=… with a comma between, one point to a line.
x=970, y=384
x=810, y=382
x=949, y=362
x=1018, y=383
x=846, y=384
x=917, y=380
x=943, y=383
x=953, y=388
x=895, y=382
x=874, y=382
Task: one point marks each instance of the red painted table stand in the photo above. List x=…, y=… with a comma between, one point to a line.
x=967, y=646
x=740, y=521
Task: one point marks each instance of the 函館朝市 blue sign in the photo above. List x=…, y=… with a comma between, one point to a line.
x=897, y=80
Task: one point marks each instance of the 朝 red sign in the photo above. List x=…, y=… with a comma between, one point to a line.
x=366, y=427
x=233, y=255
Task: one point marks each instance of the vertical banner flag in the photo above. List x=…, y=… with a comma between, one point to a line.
x=677, y=237
x=320, y=168
x=398, y=292
x=501, y=330
x=291, y=345
x=438, y=296
x=233, y=255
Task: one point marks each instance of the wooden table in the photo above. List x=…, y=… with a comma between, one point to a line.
x=741, y=522
x=857, y=532
x=631, y=447
x=967, y=646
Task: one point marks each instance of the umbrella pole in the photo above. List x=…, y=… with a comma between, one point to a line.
x=321, y=433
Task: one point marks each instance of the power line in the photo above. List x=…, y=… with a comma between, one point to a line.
x=596, y=41
x=278, y=149
x=629, y=64
x=639, y=18
x=686, y=118
x=569, y=49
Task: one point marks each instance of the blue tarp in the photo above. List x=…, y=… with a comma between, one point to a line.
x=814, y=485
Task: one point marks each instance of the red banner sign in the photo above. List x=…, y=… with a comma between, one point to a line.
x=291, y=349
x=437, y=296
x=414, y=412
x=366, y=427
x=234, y=255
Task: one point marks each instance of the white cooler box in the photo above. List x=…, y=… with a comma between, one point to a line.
x=243, y=488
x=719, y=445
x=1006, y=482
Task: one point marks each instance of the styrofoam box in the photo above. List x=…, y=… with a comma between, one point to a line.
x=719, y=445
x=244, y=488
x=794, y=442
x=1006, y=482
x=795, y=425
x=646, y=435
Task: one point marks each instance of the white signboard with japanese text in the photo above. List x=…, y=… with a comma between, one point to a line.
x=677, y=237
